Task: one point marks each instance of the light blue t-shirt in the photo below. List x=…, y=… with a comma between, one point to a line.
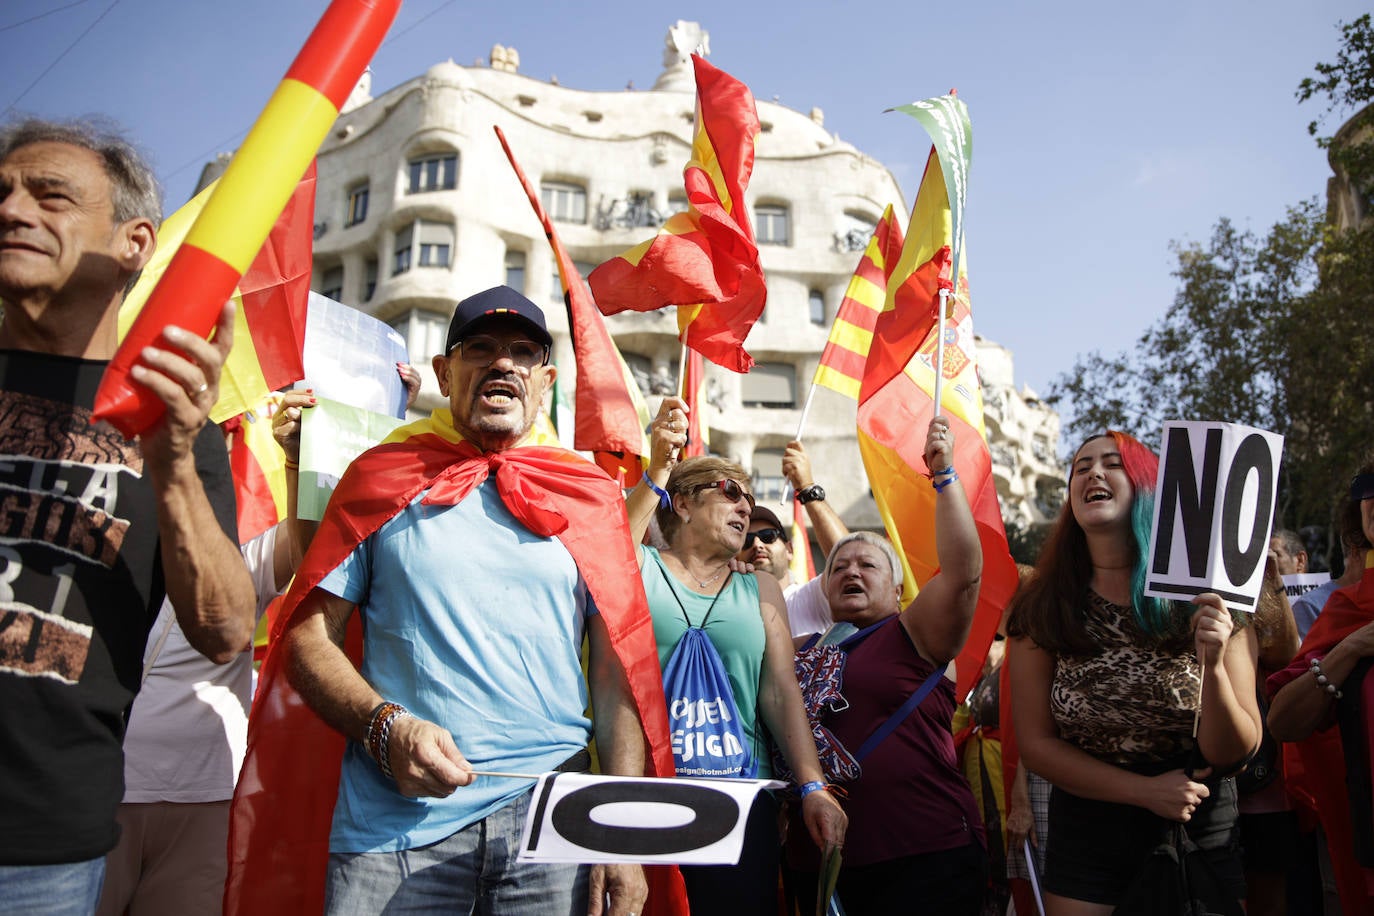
x=474, y=623
x=1309, y=604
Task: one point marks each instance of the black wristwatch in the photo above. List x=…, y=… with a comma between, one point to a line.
x=811, y=494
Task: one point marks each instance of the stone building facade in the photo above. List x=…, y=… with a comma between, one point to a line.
x=416, y=207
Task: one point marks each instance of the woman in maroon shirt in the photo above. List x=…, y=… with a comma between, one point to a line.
x=915, y=840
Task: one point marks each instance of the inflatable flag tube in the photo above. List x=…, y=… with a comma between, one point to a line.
x=222, y=243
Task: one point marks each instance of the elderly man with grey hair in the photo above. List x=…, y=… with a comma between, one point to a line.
x=96, y=530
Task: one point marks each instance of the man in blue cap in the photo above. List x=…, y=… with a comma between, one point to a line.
x=478, y=556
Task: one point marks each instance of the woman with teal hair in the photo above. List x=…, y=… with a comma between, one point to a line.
x=1136, y=709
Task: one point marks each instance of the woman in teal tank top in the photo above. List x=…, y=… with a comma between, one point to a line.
x=702, y=507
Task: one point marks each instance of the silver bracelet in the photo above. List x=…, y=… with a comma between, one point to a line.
x=1323, y=681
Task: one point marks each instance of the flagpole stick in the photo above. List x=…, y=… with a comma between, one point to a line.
x=940, y=353
x=806, y=409
x=682, y=372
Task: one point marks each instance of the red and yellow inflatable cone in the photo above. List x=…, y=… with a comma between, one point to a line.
x=251, y=194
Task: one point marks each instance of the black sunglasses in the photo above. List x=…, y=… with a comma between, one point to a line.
x=767, y=535
x=732, y=490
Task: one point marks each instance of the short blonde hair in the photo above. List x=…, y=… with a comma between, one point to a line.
x=688, y=478
x=875, y=540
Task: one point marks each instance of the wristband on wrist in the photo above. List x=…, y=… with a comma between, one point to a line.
x=1323, y=682
x=807, y=788
x=291, y=465
x=944, y=472
x=944, y=479
x=664, y=499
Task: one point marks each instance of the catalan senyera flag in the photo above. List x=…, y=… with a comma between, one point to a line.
x=694, y=394
x=891, y=425
x=609, y=412
x=802, y=567
x=842, y=361
x=703, y=260
x=896, y=397
x=912, y=295
x=269, y=323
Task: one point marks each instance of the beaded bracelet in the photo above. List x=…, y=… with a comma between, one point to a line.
x=664, y=499
x=807, y=788
x=949, y=478
x=1323, y=682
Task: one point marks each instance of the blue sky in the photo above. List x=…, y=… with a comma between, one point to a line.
x=1101, y=131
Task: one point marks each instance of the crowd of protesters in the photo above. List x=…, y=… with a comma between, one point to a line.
x=481, y=557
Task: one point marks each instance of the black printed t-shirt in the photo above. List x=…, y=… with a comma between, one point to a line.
x=80, y=585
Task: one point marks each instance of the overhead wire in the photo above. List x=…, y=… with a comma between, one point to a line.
x=29, y=88
x=201, y=157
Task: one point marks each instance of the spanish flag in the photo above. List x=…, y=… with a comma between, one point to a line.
x=258, y=466
x=842, y=361
x=609, y=412
x=703, y=260
x=269, y=323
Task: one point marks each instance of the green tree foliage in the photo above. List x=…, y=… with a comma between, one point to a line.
x=1274, y=331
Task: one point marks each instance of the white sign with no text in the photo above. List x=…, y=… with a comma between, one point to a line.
x=1214, y=508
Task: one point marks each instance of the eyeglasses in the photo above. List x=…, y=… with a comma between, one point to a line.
x=482, y=351
x=767, y=535
x=1362, y=487
x=732, y=490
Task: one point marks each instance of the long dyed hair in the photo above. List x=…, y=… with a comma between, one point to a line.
x=1049, y=609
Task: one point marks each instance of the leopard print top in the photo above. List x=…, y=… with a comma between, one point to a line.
x=1133, y=701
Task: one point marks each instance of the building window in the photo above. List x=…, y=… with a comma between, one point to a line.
x=424, y=332
x=370, y=280
x=331, y=284
x=677, y=202
x=767, y=479
x=769, y=385
x=434, y=254
x=771, y=223
x=434, y=241
x=402, y=261
x=815, y=301
x=357, y=206
x=566, y=203
x=433, y=173
x=515, y=270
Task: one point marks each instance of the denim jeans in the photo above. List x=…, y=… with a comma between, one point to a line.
x=473, y=871
x=69, y=889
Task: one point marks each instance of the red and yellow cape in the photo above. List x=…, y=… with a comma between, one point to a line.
x=284, y=801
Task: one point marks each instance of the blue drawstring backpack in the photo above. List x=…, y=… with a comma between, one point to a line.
x=707, y=735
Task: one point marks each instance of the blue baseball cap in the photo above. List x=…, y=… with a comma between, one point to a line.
x=497, y=301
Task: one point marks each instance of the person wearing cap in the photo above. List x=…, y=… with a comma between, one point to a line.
x=768, y=545
x=478, y=556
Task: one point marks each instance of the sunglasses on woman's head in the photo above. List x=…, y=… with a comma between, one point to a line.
x=767, y=535
x=732, y=490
